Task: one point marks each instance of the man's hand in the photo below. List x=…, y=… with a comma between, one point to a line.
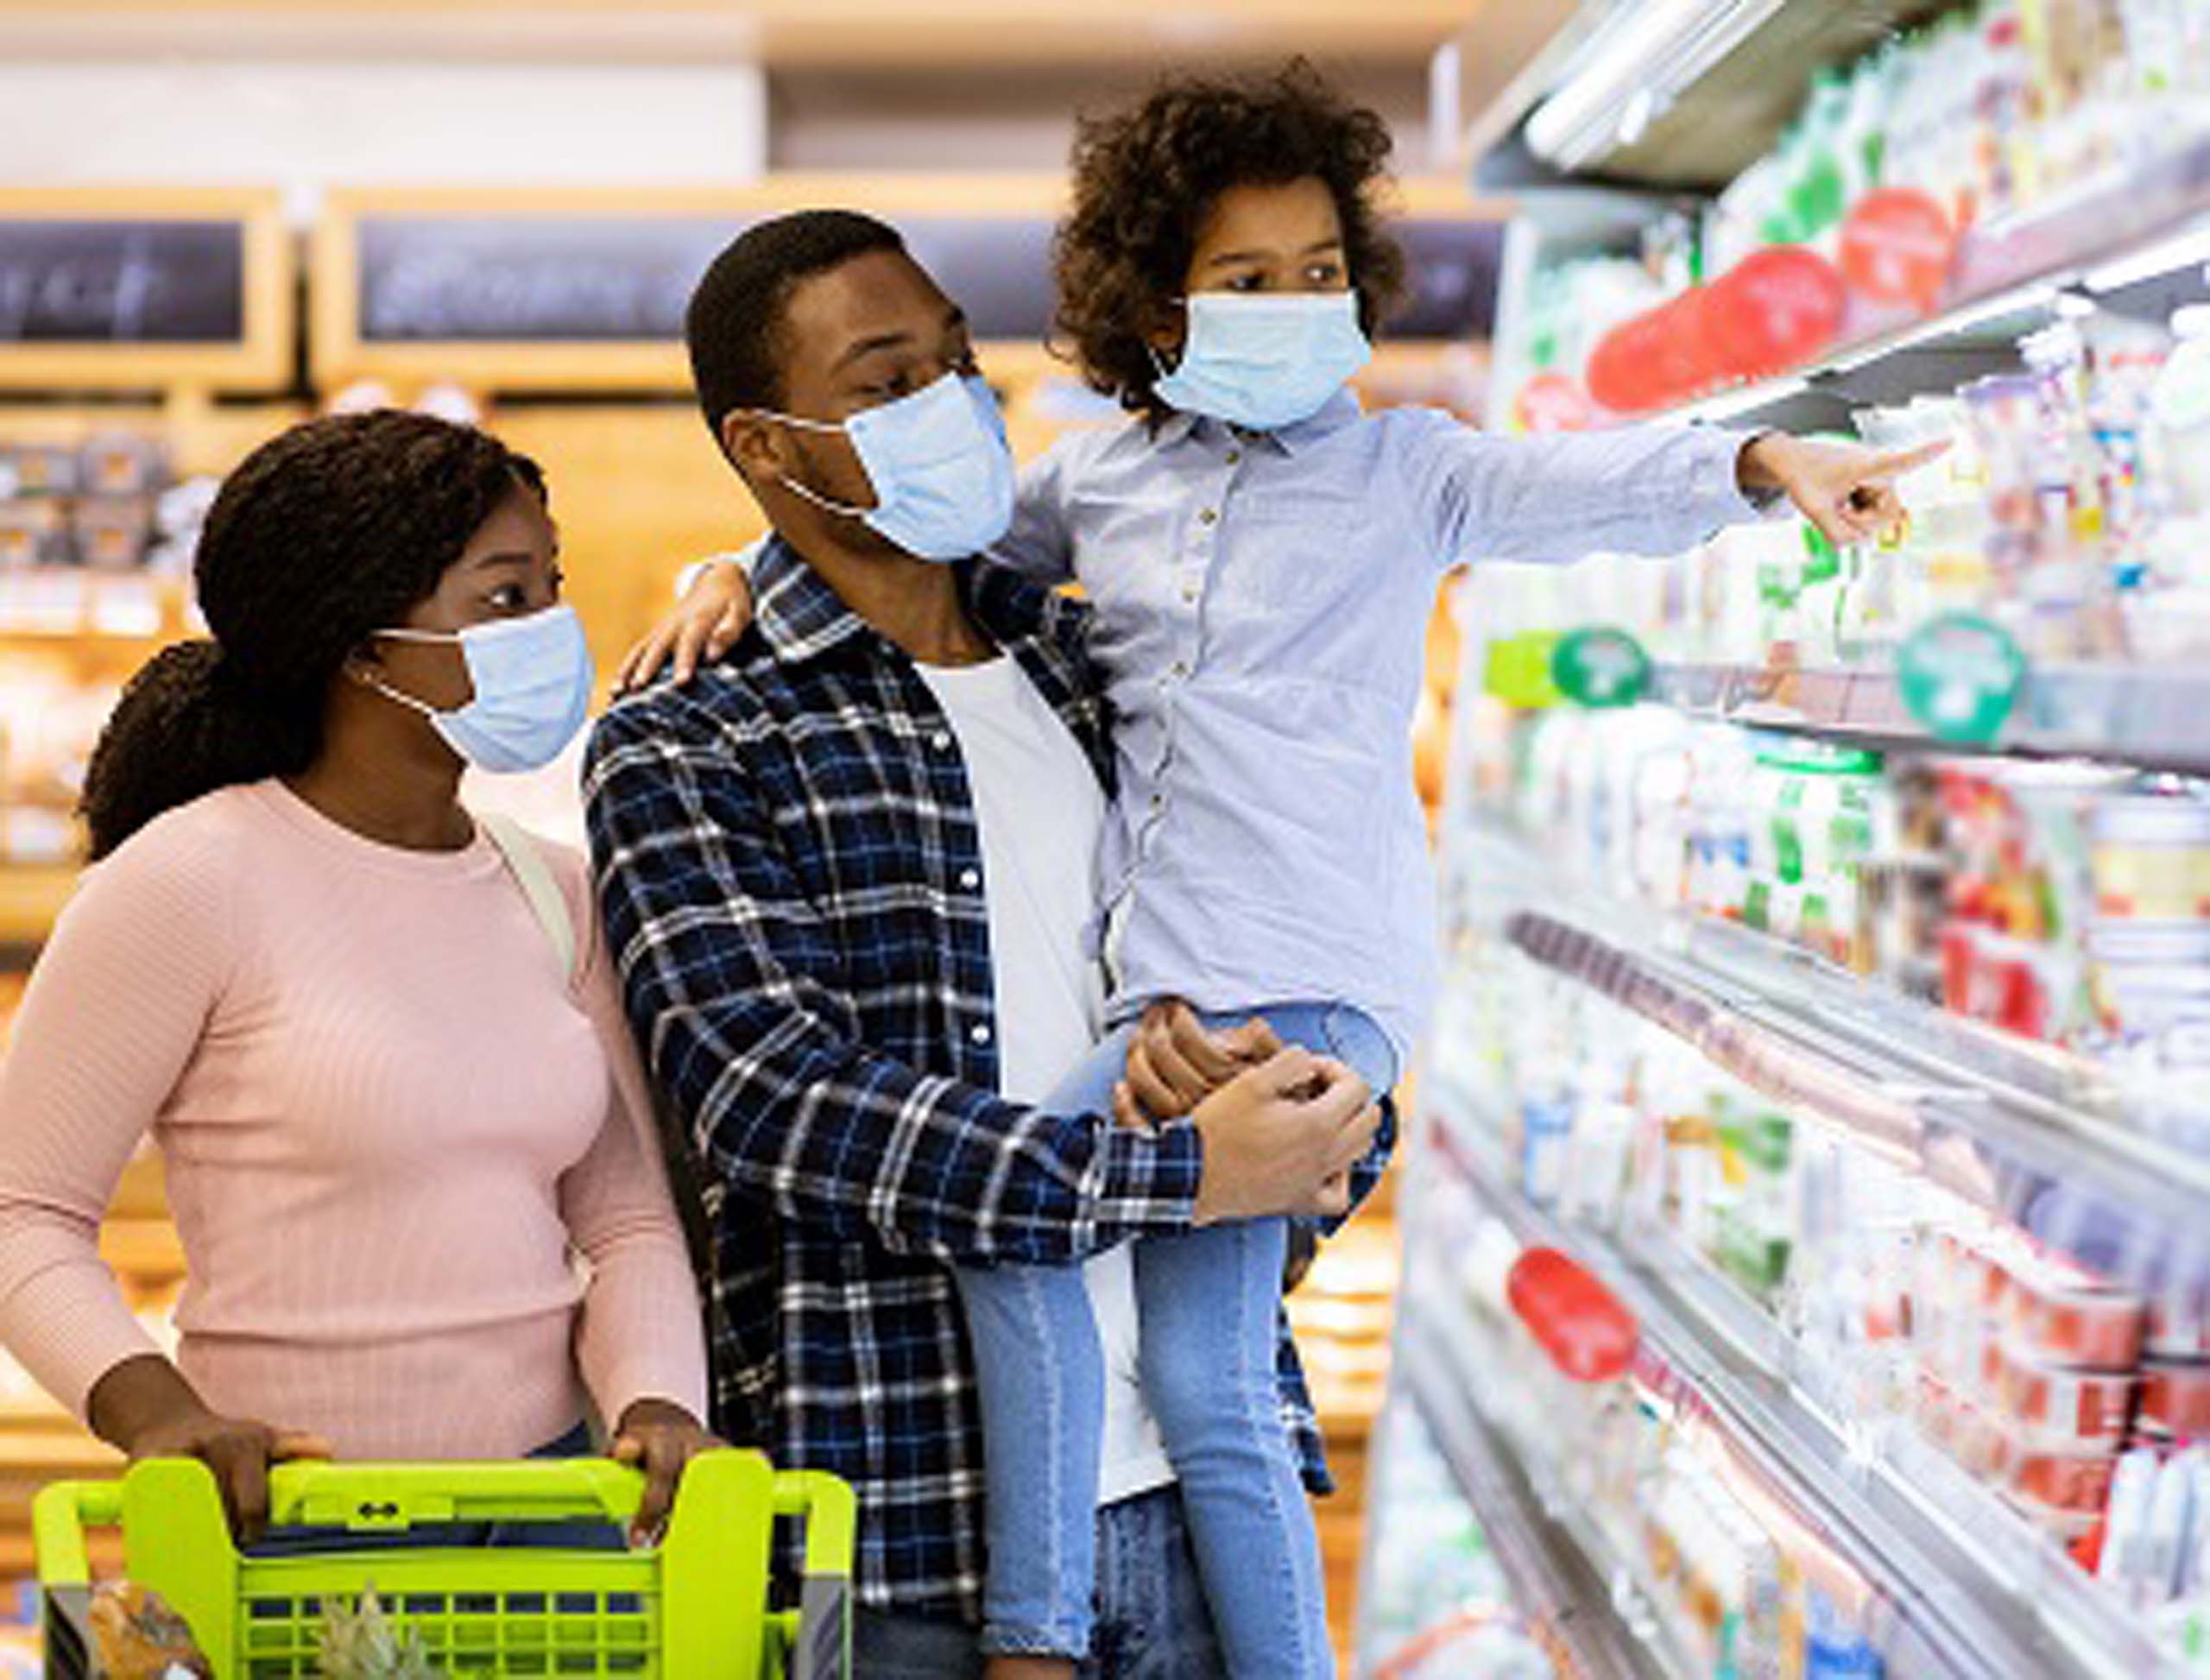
x=713, y=613
x=1280, y=1139
x=1174, y=1063
x=1846, y=491
x=659, y=1438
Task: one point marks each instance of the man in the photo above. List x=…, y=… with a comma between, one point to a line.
x=845, y=873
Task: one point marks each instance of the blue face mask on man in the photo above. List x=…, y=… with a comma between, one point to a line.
x=532, y=678
x=938, y=460
x=1265, y=360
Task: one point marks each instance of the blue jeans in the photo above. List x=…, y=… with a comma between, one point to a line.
x=1208, y=1302
x=578, y=1536
x=1152, y=1620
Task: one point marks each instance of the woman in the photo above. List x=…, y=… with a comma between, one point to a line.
x=392, y=1123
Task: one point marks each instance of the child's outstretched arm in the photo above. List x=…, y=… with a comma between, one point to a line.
x=1646, y=489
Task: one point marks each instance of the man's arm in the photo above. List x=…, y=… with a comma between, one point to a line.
x=734, y=986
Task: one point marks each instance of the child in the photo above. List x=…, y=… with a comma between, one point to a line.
x=1263, y=559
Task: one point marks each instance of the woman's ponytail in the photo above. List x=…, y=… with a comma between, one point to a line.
x=185, y=726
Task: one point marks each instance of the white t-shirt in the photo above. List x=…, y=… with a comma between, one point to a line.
x=1040, y=810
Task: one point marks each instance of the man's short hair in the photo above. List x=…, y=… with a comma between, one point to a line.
x=735, y=323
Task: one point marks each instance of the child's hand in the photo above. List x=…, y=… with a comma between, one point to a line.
x=1174, y=1063
x=706, y=624
x=1846, y=489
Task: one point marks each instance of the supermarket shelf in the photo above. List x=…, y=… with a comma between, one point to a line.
x=31, y=897
x=1680, y=96
x=2016, y=1128
x=2146, y=715
x=1965, y=1586
x=1563, y=1577
x=2135, y=238
x=145, y=1249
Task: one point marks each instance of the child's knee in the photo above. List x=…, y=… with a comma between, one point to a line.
x=1196, y=1392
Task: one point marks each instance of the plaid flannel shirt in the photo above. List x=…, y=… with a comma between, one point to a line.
x=791, y=872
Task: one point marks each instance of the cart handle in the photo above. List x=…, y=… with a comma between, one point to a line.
x=826, y=1505
x=818, y=1635
x=60, y=1515
x=370, y=1499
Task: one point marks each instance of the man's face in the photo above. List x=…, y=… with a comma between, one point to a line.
x=864, y=333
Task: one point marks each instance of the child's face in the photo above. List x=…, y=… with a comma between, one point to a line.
x=1282, y=237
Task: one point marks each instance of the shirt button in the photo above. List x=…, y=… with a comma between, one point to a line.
x=1234, y=456
x=1181, y=669
x=1158, y=802
x=970, y=879
x=1209, y=516
x=941, y=741
x=980, y=1034
x=1190, y=593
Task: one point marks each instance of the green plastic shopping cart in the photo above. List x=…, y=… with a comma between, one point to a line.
x=696, y=1606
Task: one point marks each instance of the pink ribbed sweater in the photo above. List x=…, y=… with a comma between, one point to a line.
x=409, y=1161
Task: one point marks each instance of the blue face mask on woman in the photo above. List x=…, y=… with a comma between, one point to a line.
x=532, y=678
x=1265, y=360
x=938, y=460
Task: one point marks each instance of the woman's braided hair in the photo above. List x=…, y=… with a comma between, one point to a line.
x=327, y=532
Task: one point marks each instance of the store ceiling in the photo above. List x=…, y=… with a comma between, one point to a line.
x=851, y=33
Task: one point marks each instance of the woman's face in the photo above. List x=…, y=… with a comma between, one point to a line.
x=510, y=568
x=1284, y=237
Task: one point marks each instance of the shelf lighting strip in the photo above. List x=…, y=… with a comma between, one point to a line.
x=1634, y=69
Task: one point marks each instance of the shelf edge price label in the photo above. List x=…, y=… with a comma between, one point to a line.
x=1961, y=677
x=1600, y=667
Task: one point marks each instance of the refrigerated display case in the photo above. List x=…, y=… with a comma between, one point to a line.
x=1828, y=964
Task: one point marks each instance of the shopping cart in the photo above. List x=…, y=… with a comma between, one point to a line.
x=696, y=1606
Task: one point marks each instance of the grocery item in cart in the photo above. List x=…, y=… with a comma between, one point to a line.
x=136, y=1636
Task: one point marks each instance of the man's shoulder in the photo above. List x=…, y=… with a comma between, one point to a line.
x=736, y=695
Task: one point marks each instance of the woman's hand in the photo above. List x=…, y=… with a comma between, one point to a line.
x=659, y=1438
x=1175, y=1063
x=1846, y=491
x=713, y=613
x=146, y=1407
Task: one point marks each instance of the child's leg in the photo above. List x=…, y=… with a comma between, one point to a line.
x=1041, y=1373
x=1211, y=1303
x=1208, y=1302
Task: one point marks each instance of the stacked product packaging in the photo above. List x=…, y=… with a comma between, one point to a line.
x=2079, y=1399
x=1990, y=114
x=1733, y=1584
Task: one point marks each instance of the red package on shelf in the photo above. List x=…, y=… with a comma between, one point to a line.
x=2175, y=1398
x=1588, y=1335
x=2062, y=1315
x=2064, y=1480
x=2060, y=1404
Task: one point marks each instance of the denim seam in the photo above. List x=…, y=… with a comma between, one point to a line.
x=1283, y=1523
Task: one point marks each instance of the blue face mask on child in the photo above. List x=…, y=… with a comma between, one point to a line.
x=1265, y=360
x=532, y=678
x=941, y=468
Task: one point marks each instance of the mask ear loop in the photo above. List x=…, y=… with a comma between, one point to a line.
x=827, y=504
x=378, y=686
x=1158, y=361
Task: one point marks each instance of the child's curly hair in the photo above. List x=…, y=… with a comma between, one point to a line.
x=1144, y=178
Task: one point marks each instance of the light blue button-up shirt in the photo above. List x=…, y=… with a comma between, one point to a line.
x=1262, y=604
